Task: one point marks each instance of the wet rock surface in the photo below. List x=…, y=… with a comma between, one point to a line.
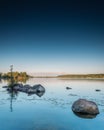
x=68, y=88
x=97, y=90
x=84, y=107
x=37, y=89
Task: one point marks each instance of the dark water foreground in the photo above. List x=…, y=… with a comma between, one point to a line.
x=51, y=111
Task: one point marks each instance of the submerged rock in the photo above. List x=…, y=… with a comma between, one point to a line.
x=5, y=87
x=97, y=90
x=84, y=106
x=40, y=93
x=68, y=88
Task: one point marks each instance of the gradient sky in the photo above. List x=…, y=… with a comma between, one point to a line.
x=52, y=36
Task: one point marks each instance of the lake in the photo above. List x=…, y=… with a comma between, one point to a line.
x=52, y=111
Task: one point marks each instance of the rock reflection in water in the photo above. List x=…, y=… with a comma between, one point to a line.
x=39, y=90
x=86, y=116
x=40, y=93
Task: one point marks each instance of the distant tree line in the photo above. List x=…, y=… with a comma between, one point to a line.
x=82, y=76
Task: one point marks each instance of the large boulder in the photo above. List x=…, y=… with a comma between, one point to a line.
x=39, y=88
x=84, y=106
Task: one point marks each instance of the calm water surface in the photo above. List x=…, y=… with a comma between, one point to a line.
x=52, y=111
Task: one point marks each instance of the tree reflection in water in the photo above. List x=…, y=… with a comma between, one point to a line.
x=13, y=96
x=0, y=80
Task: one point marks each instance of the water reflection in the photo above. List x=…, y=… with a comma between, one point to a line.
x=13, y=91
x=86, y=116
x=40, y=93
x=0, y=80
x=22, y=80
x=13, y=96
x=53, y=110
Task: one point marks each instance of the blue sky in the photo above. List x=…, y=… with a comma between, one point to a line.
x=52, y=36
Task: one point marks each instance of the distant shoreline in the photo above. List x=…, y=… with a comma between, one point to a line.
x=44, y=77
x=82, y=76
x=64, y=76
x=76, y=76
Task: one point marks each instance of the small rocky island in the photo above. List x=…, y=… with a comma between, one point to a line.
x=13, y=83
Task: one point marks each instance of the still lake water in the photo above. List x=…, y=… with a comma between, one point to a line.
x=52, y=111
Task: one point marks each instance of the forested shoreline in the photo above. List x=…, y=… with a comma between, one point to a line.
x=82, y=76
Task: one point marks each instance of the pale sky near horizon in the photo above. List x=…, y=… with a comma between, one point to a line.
x=52, y=36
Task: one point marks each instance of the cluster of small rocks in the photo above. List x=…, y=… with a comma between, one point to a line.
x=36, y=89
x=81, y=107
